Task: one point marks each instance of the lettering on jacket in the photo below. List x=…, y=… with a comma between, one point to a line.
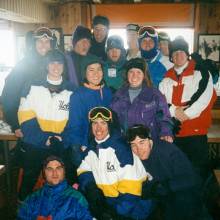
x=63, y=106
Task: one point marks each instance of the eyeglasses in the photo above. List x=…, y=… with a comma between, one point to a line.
x=100, y=29
x=150, y=31
x=101, y=112
x=43, y=32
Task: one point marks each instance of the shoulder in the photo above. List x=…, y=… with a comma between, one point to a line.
x=70, y=192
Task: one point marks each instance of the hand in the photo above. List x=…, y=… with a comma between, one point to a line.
x=18, y=133
x=167, y=138
x=180, y=114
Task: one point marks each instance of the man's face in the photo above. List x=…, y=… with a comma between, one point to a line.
x=179, y=58
x=100, y=32
x=55, y=70
x=43, y=45
x=100, y=129
x=163, y=46
x=82, y=46
x=141, y=147
x=147, y=44
x=54, y=172
x=114, y=54
x=94, y=74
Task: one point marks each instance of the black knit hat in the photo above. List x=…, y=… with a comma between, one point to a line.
x=138, y=63
x=98, y=19
x=114, y=41
x=52, y=158
x=132, y=27
x=81, y=32
x=55, y=55
x=178, y=44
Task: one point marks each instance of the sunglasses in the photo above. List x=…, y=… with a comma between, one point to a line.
x=100, y=112
x=150, y=31
x=43, y=32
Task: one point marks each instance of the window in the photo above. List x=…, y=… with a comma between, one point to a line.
x=187, y=33
x=7, y=55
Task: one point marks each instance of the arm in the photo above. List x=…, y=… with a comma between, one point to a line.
x=75, y=133
x=28, y=122
x=129, y=202
x=202, y=102
x=163, y=118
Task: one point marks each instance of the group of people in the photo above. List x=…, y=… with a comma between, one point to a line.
x=129, y=128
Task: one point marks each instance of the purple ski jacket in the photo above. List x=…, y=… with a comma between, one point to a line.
x=148, y=108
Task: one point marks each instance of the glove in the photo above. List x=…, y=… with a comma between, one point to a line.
x=96, y=199
x=176, y=126
x=56, y=146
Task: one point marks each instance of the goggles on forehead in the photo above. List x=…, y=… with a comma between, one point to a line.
x=100, y=112
x=43, y=32
x=150, y=31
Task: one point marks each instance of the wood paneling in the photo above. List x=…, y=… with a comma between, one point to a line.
x=69, y=15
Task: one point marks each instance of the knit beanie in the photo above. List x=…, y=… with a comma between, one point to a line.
x=81, y=33
x=55, y=55
x=138, y=63
x=148, y=32
x=98, y=19
x=178, y=44
x=132, y=27
x=52, y=158
x=114, y=41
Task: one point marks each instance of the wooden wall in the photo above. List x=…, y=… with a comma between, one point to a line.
x=69, y=15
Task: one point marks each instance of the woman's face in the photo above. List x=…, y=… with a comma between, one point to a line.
x=135, y=77
x=94, y=74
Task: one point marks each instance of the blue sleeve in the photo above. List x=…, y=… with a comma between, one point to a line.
x=33, y=134
x=132, y=206
x=76, y=131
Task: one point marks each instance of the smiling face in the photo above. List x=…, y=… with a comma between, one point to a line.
x=147, y=44
x=55, y=70
x=54, y=172
x=100, y=129
x=135, y=77
x=141, y=147
x=43, y=45
x=94, y=74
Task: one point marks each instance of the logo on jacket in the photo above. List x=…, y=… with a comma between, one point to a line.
x=63, y=106
x=110, y=167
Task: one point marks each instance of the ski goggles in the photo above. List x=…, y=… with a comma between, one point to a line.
x=100, y=112
x=138, y=130
x=147, y=30
x=43, y=32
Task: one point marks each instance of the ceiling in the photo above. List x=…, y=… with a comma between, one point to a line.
x=130, y=1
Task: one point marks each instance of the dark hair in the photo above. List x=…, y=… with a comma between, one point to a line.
x=99, y=19
x=138, y=130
